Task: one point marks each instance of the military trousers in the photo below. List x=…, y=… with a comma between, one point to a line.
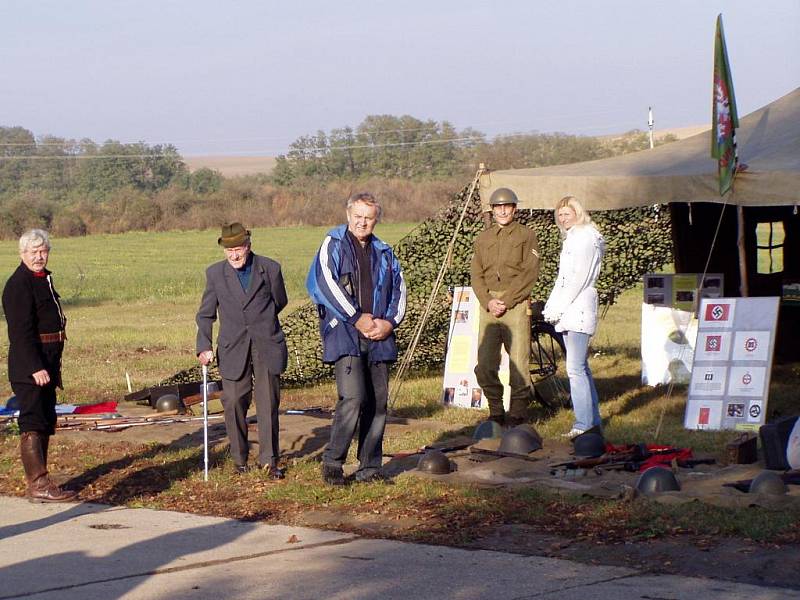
x=512, y=330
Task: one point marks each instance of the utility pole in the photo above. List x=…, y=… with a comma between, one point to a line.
x=650, y=124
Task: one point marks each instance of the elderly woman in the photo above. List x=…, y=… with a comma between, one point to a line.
x=36, y=340
x=572, y=306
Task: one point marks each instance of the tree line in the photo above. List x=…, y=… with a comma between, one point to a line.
x=82, y=187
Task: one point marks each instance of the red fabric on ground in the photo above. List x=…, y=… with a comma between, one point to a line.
x=92, y=409
x=660, y=455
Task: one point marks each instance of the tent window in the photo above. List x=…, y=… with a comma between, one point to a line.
x=769, y=247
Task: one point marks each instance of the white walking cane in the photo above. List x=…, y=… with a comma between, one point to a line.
x=205, y=422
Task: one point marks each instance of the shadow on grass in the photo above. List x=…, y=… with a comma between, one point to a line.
x=150, y=479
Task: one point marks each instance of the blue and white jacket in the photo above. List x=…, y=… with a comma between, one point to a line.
x=332, y=283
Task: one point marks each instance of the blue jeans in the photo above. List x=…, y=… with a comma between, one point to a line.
x=363, y=389
x=581, y=384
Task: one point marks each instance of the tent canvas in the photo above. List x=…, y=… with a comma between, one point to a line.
x=682, y=171
x=684, y=175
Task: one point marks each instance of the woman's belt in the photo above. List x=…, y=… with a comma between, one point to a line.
x=52, y=338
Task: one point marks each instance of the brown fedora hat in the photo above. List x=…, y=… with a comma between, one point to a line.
x=234, y=235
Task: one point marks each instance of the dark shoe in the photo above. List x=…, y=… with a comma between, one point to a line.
x=332, y=475
x=499, y=419
x=274, y=472
x=372, y=476
x=514, y=421
x=242, y=469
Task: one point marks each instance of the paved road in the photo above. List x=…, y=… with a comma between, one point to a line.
x=89, y=551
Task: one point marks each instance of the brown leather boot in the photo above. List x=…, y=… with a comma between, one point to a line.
x=40, y=487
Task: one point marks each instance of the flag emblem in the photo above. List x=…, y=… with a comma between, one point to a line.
x=713, y=343
x=717, y=312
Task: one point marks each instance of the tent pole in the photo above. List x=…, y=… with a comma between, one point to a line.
x=743, y=283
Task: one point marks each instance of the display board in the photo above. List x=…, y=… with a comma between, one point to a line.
x=460, y=387
x=732, y=364
x=680, y=290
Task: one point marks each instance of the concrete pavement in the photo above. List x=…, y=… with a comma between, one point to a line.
x=89, y=551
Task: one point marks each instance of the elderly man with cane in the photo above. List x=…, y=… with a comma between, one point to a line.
x=247, y=292
x=36, y=335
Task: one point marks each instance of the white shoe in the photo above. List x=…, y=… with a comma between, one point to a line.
x=573, y=433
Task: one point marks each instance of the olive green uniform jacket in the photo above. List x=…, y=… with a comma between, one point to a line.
x=506, y=260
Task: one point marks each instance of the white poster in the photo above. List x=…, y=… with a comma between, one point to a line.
x=732, y=363
x=708, y=381
x=751, y=345
x=746, y=381
x=460, y=386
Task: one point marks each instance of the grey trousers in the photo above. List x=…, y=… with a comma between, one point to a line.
x=363, y=390
x=236, y=397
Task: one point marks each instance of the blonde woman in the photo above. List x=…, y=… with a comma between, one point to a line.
x=572, y=306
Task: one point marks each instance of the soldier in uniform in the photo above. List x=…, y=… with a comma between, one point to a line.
x=505, y=266
x=36, y=335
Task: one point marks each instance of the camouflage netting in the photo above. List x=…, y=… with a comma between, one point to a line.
x=638, y=240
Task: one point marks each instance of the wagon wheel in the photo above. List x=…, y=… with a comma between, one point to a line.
x=547, y=366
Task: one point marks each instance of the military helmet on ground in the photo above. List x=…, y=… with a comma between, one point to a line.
x=657, y=479
x=487, y=429
x=168, y=403
x=434, y=461
x=522, y=439
x=589, y=445
x=503, y=196
x=768, y=482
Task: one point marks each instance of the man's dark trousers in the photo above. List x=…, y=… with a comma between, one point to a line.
x=363, y=389
x=236, y=397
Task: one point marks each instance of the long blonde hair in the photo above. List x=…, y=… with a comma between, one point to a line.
x=581, y=216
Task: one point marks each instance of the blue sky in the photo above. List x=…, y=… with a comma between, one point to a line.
x=249, y=77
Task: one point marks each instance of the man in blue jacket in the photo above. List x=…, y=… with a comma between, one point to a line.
x=358, y=287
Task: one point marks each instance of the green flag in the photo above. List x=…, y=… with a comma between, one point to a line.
x=724, y=120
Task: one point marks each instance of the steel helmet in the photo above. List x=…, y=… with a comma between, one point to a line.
x=434, y=461
x=503, y=196
x=656, y=480
x=522, y=439
x=768, y=482
x=167, y=403
x=589, y=445
x=487, y=429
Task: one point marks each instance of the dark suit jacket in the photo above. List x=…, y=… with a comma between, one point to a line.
x=246, y=318
x=31, y=306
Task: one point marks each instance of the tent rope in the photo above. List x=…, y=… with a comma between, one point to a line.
x=409, y=354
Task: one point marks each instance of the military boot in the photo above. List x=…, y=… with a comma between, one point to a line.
x=34, y=461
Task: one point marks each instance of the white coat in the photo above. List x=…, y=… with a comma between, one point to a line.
x=572, y=304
